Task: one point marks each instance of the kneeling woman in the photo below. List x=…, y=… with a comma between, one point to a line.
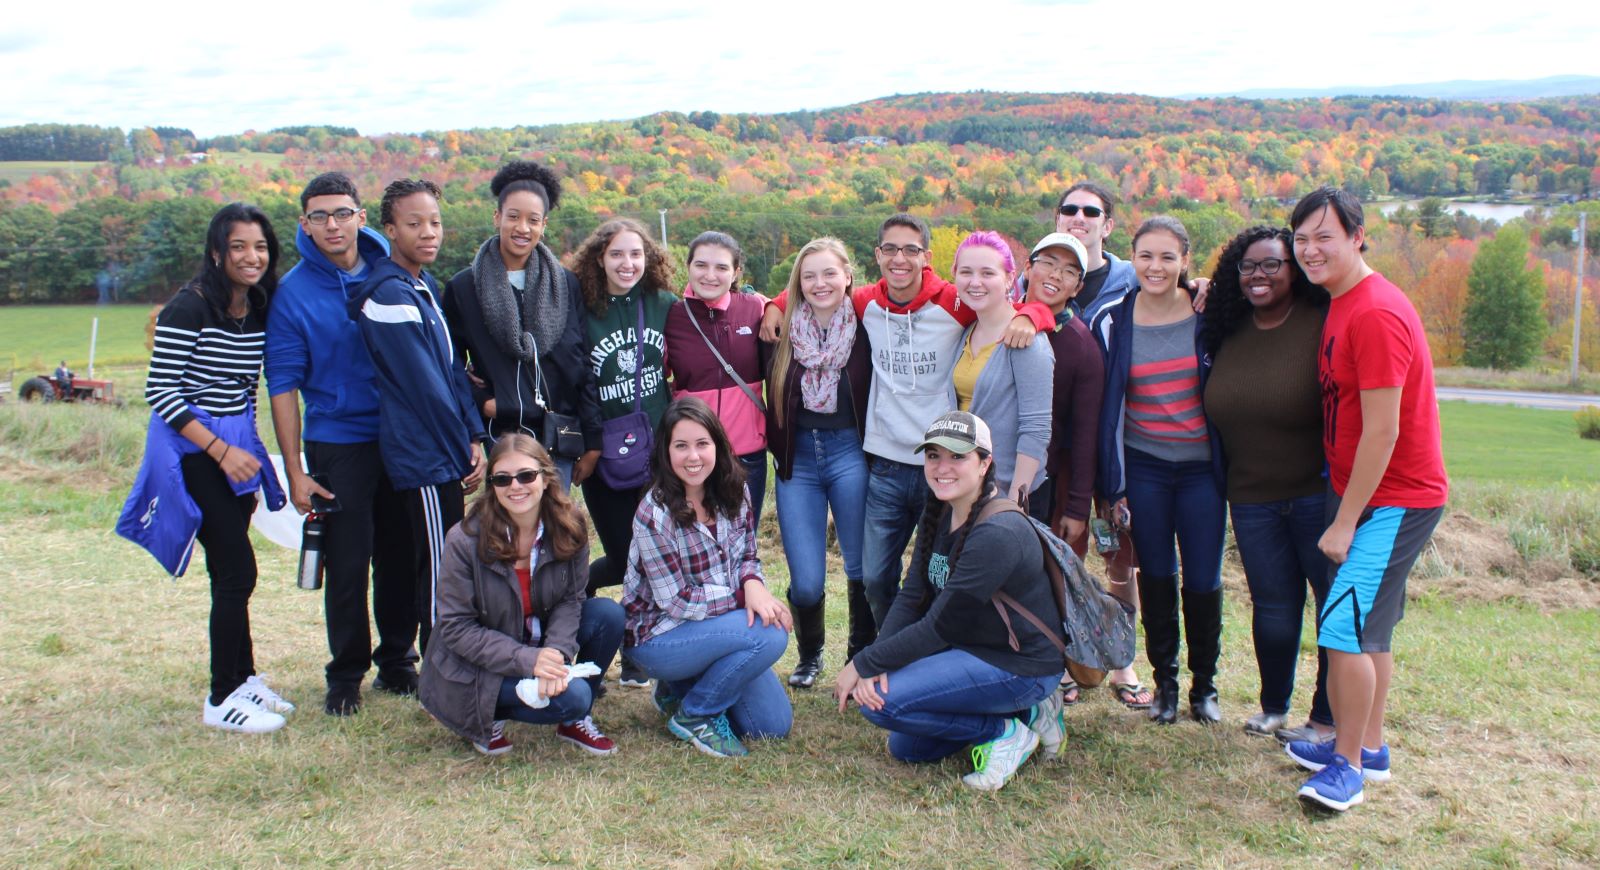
x=511, y=606
x=700, y=618
x=946, y=671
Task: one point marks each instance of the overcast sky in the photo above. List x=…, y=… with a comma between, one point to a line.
x=224, y=66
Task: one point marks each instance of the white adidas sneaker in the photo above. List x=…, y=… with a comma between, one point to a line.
x=238, y=713
x=263, y=696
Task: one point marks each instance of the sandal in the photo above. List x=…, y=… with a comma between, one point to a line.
x=1134, y=696
x=1070, y=691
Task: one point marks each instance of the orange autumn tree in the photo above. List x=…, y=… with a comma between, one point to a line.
x=1441, y=299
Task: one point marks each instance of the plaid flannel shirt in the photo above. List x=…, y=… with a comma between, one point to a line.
x=677, y=575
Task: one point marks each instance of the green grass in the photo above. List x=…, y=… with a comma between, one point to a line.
x=18, y=171
x=103, y=760
x=40, y=336
x=1506, y=444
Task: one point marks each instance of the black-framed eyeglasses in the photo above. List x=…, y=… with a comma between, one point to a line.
x=339, y=215
x=908, y=250
x=503, y=479
x=1089, y=211
x=1269, y=266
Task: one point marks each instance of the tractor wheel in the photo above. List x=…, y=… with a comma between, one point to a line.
x=36, y=390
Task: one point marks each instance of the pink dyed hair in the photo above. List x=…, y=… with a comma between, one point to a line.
x=987, y=239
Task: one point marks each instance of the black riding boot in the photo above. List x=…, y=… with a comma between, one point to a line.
x=863, y=631
x=1202, y=629
x=809, y=630
x=1158, y=609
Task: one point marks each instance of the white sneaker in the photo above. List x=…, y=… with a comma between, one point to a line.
x=995, y=762
x=1050, y=724
x=263, y=696
x=238, y=713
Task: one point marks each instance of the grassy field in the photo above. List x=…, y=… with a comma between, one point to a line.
x=18, y=171
x=1505, y=444
x=40, y=336
x=103, y=760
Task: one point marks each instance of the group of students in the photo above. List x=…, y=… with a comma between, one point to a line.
x=1097, y=395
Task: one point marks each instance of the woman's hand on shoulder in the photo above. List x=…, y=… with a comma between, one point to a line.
x=760, y=603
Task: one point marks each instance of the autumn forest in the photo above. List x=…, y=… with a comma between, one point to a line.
x=125, y=217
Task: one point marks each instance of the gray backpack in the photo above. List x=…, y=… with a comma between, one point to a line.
x=1095, y=629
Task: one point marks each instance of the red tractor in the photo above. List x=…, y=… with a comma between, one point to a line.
x=43, y=388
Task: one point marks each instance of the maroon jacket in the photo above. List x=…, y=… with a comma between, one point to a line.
x=696, y=371
x=858, y=379
x=1075, y=412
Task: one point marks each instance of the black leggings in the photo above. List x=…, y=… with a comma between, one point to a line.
x=612, y=513
x=231, y=562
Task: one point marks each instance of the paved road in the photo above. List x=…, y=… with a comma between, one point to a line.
x=1551, y=401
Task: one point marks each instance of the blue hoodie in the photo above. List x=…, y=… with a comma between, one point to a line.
x=427, y=423
x=314, y=347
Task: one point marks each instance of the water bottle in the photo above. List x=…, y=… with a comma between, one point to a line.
x=310, y=576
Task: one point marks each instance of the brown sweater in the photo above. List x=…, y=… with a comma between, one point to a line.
x=1264, y=399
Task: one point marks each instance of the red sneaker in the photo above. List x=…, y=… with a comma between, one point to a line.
x=587, y=737
x=498, y=744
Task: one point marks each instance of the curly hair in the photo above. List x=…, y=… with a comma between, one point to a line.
x=1226, y=305
x=402, y=188
x=526, y=175
x=724, y=488
x=586, y=261
x=563, y=522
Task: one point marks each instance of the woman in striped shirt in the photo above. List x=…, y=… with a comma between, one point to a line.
x=1160, y=466
x=202, y=384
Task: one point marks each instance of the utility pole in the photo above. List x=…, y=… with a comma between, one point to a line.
x=663, y=227
x=1582, y=233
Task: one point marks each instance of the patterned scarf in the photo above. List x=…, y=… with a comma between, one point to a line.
x=822, y=356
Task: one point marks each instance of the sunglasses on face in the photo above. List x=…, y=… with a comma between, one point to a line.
x=1269, y=266
x=503, y=479
x=1089, y=211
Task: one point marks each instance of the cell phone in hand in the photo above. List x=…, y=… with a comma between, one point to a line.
x=321, y=504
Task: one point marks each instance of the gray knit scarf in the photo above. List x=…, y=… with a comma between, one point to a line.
x=545, y=293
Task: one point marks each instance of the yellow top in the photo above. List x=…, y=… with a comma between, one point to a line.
x=968, y=366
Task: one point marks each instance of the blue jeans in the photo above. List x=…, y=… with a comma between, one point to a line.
x=939, y=705
x=1278, y=546
x=599, y=636
x=1176, y=500
x=829, y=471
x=896, y=492
x=755, y=477
x=721, y=665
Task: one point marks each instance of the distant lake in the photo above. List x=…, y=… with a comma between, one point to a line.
x=1498, y=211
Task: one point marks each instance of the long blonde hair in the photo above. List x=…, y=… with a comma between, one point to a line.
x=783, y=351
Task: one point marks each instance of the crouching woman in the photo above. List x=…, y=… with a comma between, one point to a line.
x=946, y=671
x=511, y=606
x=700, y=619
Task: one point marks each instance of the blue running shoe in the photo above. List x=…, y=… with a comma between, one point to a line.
x=1336, y=786
x=1316, y=756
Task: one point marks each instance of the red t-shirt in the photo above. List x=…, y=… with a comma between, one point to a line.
x=525, y=586
x=1372, y=340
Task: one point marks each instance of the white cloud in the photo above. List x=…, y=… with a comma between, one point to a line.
x=437, y=64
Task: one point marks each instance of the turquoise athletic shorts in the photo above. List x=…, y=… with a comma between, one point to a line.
x=1367, y=596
